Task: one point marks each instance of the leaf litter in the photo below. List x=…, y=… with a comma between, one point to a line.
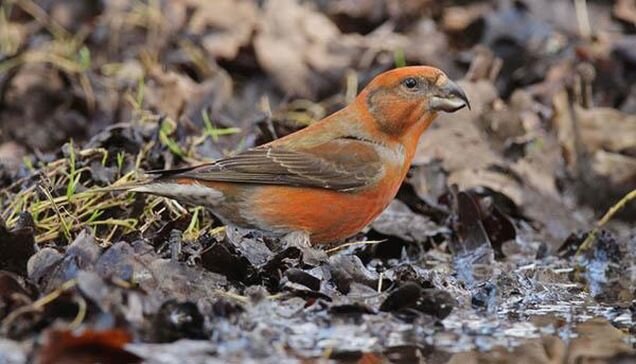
x=490, y=252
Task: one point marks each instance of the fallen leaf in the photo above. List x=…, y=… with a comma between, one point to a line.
x=225, y=25
x=300, y=48
x=17, y=245
x=398, y=220
x=61, y=347
x=177, y=320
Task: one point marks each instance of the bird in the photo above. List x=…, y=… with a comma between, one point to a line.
x=332, y=178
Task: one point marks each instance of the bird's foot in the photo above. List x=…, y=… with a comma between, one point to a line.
x=301, y=241
x=296, y=239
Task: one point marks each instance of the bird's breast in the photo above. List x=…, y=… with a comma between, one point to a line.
x=327, y=215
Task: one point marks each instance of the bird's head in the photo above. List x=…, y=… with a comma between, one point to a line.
x=406, y=96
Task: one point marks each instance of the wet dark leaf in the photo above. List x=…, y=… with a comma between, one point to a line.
x=470, y=229
x=406, y=296
x=219, y=258
x=341, y=279
x=571, y=245
x=301, y=277
x=436, y=302
x=354, y=309
x=176, y=320
x=14, y=292
x=410, y=298
x=17, y=245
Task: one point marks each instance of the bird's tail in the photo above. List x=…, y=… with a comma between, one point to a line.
x=160, y=188
x=146, y=185
x=125, y=187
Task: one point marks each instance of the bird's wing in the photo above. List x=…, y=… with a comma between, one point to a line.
x=340, y=164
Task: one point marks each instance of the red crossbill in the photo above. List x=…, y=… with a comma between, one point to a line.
x=330, y=179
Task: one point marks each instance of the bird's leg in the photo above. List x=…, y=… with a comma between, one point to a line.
x=296, y=239
x=301, y=241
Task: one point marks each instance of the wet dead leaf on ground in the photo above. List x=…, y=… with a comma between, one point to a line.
x=300, y=48
x=399, y=221
x=17, y=244
x=86, y=347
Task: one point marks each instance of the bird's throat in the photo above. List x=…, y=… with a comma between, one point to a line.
x=411, y=137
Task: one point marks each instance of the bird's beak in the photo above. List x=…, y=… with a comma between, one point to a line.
x=450, y=98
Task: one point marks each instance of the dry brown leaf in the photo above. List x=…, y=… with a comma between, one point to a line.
x=426, y=44
x=533, y=352
x=469, y=178
x=378, y=10
x=41, y=115
x=605, y=128
x=598, y=342
x=593, y=141
x=452, y=138
x=620, y=169
x=232, y=23
x=300, y=48
x=176, y=95
x=458, y=18
x=11, y=155
x=625, y=10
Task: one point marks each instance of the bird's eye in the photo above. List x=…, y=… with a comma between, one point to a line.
x=410, y=84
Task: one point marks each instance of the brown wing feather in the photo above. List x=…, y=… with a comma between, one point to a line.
x=341, y=164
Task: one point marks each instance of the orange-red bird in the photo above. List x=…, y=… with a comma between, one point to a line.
x=330, y=179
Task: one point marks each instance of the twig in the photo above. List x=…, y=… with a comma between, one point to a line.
x=591, y=237
x=233, y=296
x=39, y=304
x=81, y=312
x=65, y=227
x=43, y=18
x=353, y=243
